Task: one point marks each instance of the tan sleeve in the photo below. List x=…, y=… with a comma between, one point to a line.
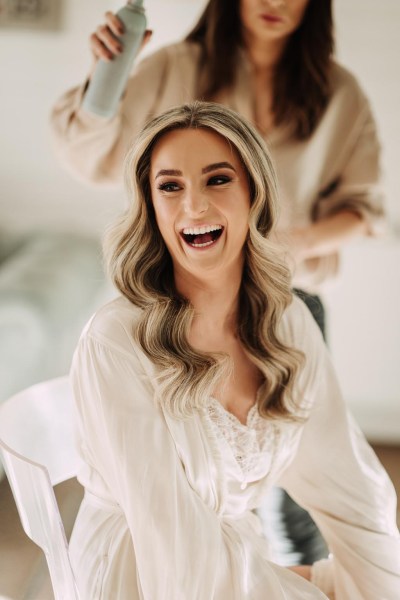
x=92, y=147
x=359, y=186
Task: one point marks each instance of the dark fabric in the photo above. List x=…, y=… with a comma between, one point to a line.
x=315, y=307
x=295, y=538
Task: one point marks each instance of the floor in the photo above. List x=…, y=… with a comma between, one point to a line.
x=23, y=572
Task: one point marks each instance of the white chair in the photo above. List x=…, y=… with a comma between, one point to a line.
x=37, y=449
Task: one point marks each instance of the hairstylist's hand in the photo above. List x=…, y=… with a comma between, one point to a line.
x=302, y=570
x=104, y=42
x=295, y=245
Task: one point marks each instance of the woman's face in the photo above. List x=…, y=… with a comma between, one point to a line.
x=201, y=199
x=271, y=19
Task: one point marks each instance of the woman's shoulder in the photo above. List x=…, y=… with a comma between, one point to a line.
x=113, y=324
x=345, y=85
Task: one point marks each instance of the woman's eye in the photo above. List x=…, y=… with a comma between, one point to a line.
x=218, y=180
x=169, y=186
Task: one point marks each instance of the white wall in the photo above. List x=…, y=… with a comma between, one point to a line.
x=35, y=67
x=363, y=306
x=368, y=43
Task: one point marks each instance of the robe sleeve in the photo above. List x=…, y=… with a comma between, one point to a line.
x=337, y=477
x=183, y=549
x=92, y=147
x=359, y=184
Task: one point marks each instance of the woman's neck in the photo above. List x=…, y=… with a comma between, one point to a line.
x=215, y=298
x=264, y=55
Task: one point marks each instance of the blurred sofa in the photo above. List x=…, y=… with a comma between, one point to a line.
x=50, y=284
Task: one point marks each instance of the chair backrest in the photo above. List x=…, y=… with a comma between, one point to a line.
x=37, y=449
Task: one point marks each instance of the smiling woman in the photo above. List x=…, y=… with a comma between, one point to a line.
x=207, y=383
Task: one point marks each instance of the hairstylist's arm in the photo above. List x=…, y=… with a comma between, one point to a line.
x=323, y=237
x=91, y=147
x=356, y=206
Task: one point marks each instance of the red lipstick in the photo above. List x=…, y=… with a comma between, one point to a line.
x=271, y=18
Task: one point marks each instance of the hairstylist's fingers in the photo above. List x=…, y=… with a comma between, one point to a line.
x=146, y=38
x=99, y=50
x=103, y=42
x=106, y=36
x=114, y=23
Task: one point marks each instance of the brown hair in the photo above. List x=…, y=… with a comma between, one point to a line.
x=302, y=78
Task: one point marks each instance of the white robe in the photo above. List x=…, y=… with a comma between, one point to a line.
x=164, y=517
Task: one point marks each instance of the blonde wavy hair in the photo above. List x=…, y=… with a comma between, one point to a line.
x=141, y=267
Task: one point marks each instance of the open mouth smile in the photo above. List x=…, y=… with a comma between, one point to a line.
x=203, y=236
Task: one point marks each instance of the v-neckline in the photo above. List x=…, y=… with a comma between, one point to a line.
x=235, y=419
x=241, y=101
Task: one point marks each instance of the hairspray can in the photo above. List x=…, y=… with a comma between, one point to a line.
x=109, y=79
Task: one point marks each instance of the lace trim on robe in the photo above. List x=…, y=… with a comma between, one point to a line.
x=253, y=444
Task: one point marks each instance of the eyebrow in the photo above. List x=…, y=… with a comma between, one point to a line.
x=220, y=165
x=207, y=169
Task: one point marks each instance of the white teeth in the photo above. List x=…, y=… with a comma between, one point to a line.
x=201, y=245
x=201, y=230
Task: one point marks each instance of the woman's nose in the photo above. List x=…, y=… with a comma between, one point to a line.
x=196, y=203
